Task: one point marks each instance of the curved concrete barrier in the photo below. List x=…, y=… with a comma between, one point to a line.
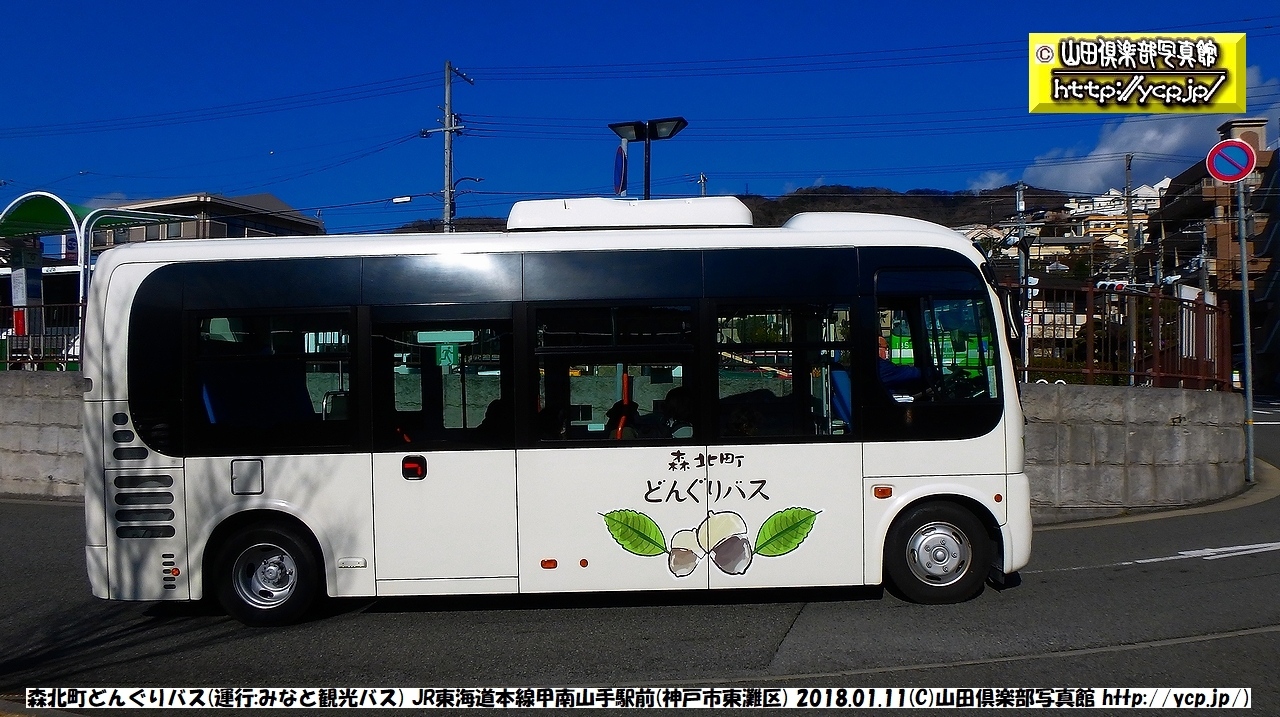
x=1095, y=451
x=1091, y=451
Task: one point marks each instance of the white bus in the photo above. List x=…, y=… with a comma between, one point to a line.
x=608, y=395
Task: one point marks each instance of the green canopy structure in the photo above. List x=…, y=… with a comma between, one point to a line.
x=39, y=213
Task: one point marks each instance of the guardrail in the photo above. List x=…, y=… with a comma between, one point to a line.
x=40, y=337
x=1126, y=338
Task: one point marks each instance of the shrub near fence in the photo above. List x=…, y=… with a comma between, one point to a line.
x=1115, y=338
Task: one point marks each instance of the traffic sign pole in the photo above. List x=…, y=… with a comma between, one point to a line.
x=1247, y=330
x=1231, y=161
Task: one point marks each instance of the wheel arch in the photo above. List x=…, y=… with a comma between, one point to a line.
x=990, y=523
x=236, y=522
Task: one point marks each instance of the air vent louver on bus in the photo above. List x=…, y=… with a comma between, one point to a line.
x=145, y=531
x=144, y=498
x=143, y=481
x=170, y=571
x=148, y=520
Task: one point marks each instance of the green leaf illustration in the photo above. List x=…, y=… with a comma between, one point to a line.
x=784, y=531
x=635, y=532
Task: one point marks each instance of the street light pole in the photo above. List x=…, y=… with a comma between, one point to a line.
x=451, y=208
x=649, y=131
x=648, y=142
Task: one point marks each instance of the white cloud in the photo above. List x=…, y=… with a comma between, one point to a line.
x=1103, y=166
x=988, y=180
x=819, y=182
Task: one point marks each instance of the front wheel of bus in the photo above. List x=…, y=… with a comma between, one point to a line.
x=267, y=575
x=937, y=553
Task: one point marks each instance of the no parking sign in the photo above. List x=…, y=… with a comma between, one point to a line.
x=1231, y=160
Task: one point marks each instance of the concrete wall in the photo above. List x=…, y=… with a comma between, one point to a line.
x=1091, y=451
x=1095, y=451
x=40, y=446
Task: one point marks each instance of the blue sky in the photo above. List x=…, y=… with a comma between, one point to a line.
x=320, y=103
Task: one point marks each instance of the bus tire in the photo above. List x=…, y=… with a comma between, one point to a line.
x=937, y=552
x=267, y=574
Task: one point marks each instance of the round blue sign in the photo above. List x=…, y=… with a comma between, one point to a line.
x=1231, y=160
x=620, y=172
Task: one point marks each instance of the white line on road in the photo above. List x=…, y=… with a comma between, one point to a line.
x=1204, y=553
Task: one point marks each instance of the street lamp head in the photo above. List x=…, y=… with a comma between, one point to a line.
x=630, y=131
x=649, y=132
x=666, y=128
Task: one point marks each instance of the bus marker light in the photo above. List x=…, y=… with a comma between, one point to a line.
x=583, y=562
x=549, y=563
x=882, y=491
x=413, y=467
x=173, y=572
x=999, y=497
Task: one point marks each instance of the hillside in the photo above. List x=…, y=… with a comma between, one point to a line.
x=950, y=209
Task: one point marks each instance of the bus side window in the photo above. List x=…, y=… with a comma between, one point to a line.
x=442, y=385
x=268, y=382
x=784, y=370
x=617, y=373
x=936, y=365
x=935, y=349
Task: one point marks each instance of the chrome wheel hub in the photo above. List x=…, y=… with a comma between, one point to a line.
x=265, y=575
x=938, y=553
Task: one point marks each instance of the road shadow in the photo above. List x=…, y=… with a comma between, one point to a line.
x=76, y=641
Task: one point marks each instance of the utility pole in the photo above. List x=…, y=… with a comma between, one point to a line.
x=1158, y=245
x=449, y=128
x=1204, y=260
x=1128, y=212
x=1131, y=305
x=1024, y=271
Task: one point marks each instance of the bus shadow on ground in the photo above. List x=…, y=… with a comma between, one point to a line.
x=656, y=598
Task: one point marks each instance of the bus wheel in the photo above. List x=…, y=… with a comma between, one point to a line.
x=937, y=553
x=267, y=574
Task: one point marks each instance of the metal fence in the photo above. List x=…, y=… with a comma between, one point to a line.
x=40, y=337
x=1126, y=338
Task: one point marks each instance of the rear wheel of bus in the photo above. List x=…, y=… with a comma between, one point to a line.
x=937, y=552
x=267, y=574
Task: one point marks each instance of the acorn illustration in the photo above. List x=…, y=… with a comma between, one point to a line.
x=684, y=554
x=724, y=537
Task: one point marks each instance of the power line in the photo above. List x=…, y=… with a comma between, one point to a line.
x=785, y=64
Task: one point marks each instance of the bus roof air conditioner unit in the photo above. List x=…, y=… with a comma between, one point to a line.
x=599, y=212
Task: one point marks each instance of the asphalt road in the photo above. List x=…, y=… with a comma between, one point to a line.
x=1085, y=615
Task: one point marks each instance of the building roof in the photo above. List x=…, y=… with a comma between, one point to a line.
x=262, y=204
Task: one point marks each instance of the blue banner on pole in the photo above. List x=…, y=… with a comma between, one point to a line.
x=620, y=170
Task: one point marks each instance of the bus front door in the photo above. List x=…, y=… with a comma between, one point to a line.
x=444, y=457
x=611, y=495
